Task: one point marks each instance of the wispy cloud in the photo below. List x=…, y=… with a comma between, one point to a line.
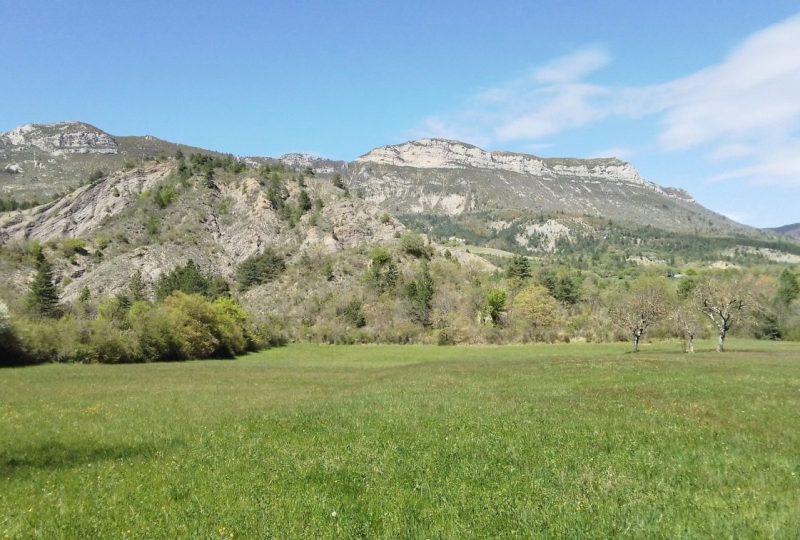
x=743, y=111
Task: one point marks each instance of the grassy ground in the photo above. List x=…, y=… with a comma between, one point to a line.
x=381, y=441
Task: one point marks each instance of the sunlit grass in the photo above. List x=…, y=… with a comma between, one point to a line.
x=382, y=441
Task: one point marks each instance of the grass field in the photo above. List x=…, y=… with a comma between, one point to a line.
x=408, y=442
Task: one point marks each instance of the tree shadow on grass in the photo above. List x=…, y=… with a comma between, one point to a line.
x=56, y=455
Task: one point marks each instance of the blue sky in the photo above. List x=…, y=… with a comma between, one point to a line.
x=699, y=95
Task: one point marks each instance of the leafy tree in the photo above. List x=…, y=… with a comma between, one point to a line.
x=520, y=267
x=534, y=307
x=339, y=183
x=495, y=305
x=260, y=268
x=43, y=297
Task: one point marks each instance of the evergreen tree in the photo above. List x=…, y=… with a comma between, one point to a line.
x=520, y=267
x=188, y=279
x=420, y=292
x=303, y=202
x=43, y=298
x=788, y=287
x=137, y=288
x=85, y=296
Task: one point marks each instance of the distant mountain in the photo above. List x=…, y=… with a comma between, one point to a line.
x=451, y=178
x=791, y=231
x=439, y=178
x=38, y=161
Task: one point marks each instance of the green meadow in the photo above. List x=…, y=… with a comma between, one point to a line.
x=314, y=441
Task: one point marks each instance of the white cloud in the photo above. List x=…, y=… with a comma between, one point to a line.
x=572, y=67
x=745, y=109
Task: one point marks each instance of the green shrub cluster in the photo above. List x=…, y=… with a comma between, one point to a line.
x=260, y=269
x=190, y=279
x=182, y=327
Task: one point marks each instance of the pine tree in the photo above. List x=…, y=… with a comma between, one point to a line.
x=43, y=298
x=136, y=288
x=304, y=202
x=520, y=267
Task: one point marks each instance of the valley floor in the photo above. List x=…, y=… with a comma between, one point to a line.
x=390, y=441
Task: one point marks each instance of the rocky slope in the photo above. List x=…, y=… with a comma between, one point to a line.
x=218, y=225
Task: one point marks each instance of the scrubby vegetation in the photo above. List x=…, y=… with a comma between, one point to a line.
x=190, y=318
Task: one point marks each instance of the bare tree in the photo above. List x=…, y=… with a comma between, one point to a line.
x=640, y=309
x=688, y=323
x=723, y=301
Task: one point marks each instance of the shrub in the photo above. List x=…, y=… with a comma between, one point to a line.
x=353, y=313
x=164, y=196
x=260, y=269
x=96, y=175
x=190, y=280
x=152, y=226
x=193, y=322
x=154, y=336
x=414, y=245
x=73, y=246
x=495, y=305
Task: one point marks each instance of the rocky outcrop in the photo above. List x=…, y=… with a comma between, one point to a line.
x=62, y=138
x=83, y=210
x=446, y=154
x=450, y=178
x=317, y=164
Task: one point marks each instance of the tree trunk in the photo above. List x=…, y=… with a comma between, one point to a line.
x=636, y=336
x=690, y=344
x=721, y=340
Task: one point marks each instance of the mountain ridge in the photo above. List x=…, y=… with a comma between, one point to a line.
x=424, y=176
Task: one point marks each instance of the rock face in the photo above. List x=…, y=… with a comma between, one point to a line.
x=82, y=211
x=445, y=154
x=450, y=178
x=62, y=138
x=317, y=164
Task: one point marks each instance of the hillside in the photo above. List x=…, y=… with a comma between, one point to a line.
x=790, y=231
x=150, y=219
